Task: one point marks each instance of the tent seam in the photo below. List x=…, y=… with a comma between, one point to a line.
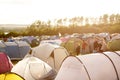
x=112, y=64
x=85, y=68
x=117, y=53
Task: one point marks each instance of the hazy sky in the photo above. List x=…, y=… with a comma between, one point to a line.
x=28, y=11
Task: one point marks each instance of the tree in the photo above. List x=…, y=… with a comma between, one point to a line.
x=105, y=19
x=81, y=20
x=49, y=23
x=59, y=22
x=100, y=20
x=117, y=18
x=112, y=19
x=87, y=21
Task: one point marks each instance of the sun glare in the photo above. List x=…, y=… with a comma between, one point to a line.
x=27, y=11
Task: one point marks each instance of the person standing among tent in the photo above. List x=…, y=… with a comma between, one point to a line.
x=98, y=45
x=78, y=50
x=103, y=45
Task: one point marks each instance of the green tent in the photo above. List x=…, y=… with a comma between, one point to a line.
x=114, y=45
x=71, y=45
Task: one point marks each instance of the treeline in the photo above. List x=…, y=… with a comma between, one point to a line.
x=105, y=23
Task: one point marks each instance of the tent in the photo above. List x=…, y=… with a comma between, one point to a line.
x=12, y=49
x=10, y=76
x=32, y=68
x=71, y=45
x=2, y=46
x=16, y=50
x=31, y=40
x=114, y=45
x=56, y=41
x=24, y=48
x=98, y=66
x=5, y=63
x=51, y=54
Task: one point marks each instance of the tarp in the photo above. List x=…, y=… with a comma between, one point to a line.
x=32, y=68
x=99, y=66
x=5, y=63
x=52, y=54
x=10, y=76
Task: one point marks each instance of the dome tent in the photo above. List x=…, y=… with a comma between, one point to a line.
x=10, y=76
x=99, y=66
x=51, y=54
x=2, y=46
x=5, y=63
x=32, y=68
x=16, y=50
x=24, y=48
x=12, y=50
x=33, y=41
x=114, y=45
x=72, y=44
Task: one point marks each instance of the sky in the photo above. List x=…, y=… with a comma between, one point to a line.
x=28, y=11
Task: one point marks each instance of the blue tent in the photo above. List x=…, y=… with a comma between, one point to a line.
x=12, y=50
x=31, y=40
x=24, y=48
x=16, y=50
x=2, y=47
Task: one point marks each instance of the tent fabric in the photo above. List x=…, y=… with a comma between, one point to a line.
x=91, y=67
x=44, y=49
x=72, y=69
x=2, y=47
x=31, y=40
x=72, y=44
x=24, y=48
x=51, y=54
x=10, y=76
x=15, y=50
x=32, y=68
x=114, y=45
x=56, y=41
x=5, y=63
x=12, y=49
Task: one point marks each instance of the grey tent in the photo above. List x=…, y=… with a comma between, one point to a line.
x=51, y=54
x=99, y=66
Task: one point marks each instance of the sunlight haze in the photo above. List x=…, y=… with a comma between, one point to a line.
x=28, y=11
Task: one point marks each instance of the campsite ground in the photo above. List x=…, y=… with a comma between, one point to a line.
x=15, y=61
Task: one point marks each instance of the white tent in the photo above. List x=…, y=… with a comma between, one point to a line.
x=56, y=41
x=99, y=66
x=32, y=68
x=52, y=54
